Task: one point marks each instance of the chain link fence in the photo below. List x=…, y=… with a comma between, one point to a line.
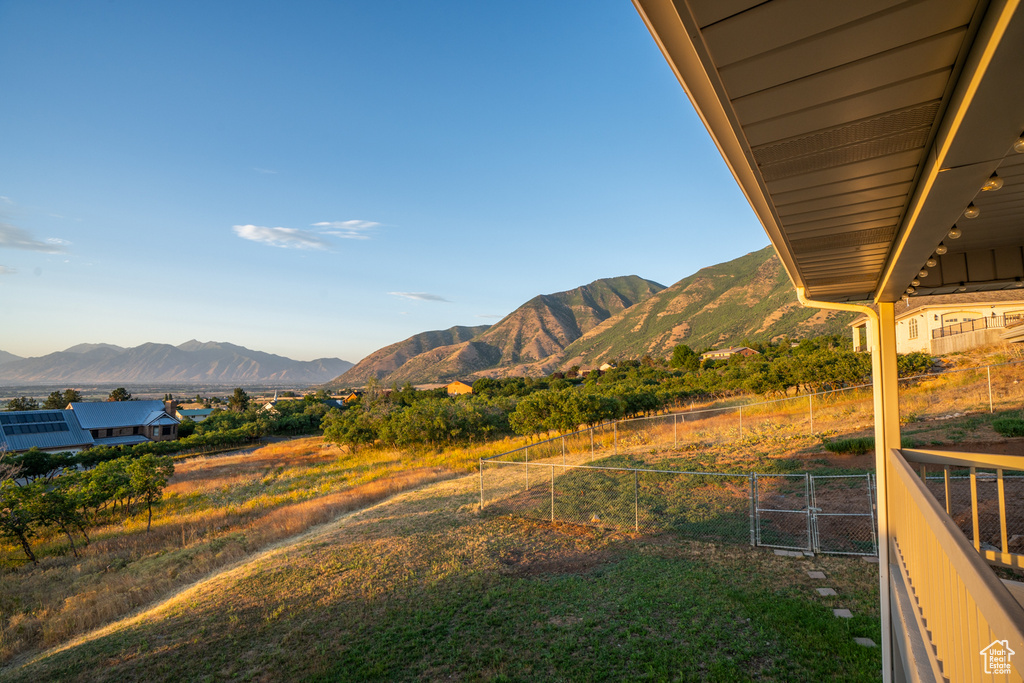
x=562, y=478
x=827, y=514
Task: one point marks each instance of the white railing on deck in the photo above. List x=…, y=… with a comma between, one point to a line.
x=961, y=606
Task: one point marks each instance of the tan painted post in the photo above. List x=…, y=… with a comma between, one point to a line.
x=887, y=437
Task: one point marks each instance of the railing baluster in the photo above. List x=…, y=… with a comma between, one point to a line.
x=1002, y=512
x=974, y=508
x=945, y=476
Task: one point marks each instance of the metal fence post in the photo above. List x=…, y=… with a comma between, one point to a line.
x=810, y=512
x=990, y=407
x=552, y=493
x=527, y=468
x=636, y=501
x=810, y=410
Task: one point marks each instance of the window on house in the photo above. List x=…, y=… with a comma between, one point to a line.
x=913, y=328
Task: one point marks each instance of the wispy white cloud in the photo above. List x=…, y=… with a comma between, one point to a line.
x=4, y=270
x=420, y=296
x=350, y=230
x=5, y=199
x=12, y=237
x=57, y=241
x=285, y=238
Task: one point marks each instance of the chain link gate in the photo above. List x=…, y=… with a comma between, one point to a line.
x=782, y=516
x=842, y=512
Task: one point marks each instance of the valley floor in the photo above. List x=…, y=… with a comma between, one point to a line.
x=423, y=587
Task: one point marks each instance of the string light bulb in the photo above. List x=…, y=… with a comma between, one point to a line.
x=954, y=233
x=915, y=283
x=1018, y=146
x=962, y=287
x=923, y=273
x=972, y=211
x=993, y=183
x=941, y=249
x=931, y=263
x=910, y=290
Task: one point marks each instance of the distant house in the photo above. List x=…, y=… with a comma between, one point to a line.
x=605, y=367
x=194, y=414
x=53, y=431
x=722, y=354
x=459, y=387
x=119, y=423
x=951, y=322
x=352, y=397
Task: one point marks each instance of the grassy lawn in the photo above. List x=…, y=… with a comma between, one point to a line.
x=422, y=587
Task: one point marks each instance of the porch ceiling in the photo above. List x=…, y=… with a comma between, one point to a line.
x=861, y=131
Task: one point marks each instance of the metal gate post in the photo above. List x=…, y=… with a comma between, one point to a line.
x=757, y=516
x=871, y=509
x=811, y=519
x=753, y=488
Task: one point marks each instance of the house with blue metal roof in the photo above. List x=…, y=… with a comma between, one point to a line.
x=53, y=431
x=121, y=423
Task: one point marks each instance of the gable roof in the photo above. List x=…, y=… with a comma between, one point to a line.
x=45, y=429
x=112, y=414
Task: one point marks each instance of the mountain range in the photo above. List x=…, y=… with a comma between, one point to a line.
x=191, y=362
x=749, y=298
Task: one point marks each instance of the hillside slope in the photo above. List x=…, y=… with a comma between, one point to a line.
x=749, y=298
x=534, y=332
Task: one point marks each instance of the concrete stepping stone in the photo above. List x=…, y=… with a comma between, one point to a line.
x=816, y=575
x=788, y=553
x=866, y=642
x=870, y=560
x=826, y=591
x=843, y=613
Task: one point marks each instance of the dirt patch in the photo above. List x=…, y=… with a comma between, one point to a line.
x=569, y=563
x=1008, y=447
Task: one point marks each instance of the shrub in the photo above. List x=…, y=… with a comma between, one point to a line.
x=1009, y=426
x=858, y=446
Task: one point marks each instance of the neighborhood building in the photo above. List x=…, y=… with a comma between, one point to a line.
x=459, y=387
x=723, y=354
x=951, y=322
x=125, y=423
x=53, y=431
x=194, y=414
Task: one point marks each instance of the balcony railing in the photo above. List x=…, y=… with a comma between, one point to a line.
x=954, y=612
x=982, y=323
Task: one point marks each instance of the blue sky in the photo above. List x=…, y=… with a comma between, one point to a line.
x=324, y=178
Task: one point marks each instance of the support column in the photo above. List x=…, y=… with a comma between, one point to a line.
x=882, y=339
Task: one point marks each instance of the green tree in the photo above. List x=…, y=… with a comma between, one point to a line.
x=58, y=400
x=16, y=521
x=148, y=477
x=23, y=403
x=119, y=394
x=685, y=358
x=53, y=504
x=239, y=401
